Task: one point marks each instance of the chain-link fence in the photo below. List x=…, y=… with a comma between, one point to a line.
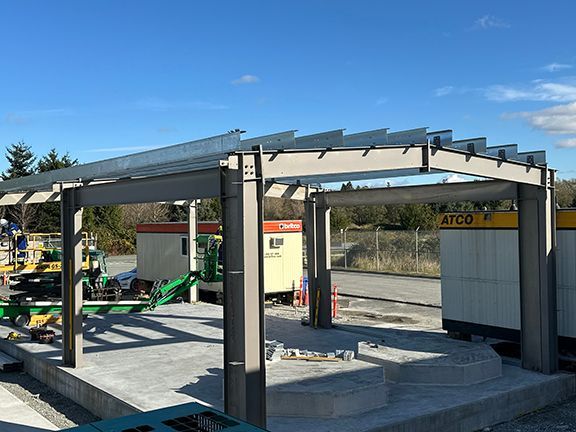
x=387, y=251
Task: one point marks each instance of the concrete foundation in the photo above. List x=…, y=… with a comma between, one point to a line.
x=173, y=355
x=443, y=362
x=313, y=389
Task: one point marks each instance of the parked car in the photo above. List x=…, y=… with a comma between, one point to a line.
x=127, y=280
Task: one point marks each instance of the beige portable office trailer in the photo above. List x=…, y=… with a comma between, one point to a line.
x=480, y=276
x=162, y=250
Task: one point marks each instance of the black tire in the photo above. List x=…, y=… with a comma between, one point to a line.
x=21, y=320
x=134, y=285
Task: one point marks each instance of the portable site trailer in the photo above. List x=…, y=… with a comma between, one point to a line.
x=480, y=275
x=162, y=250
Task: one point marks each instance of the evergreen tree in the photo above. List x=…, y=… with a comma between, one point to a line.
x=21, y=161
x=53, y=161
x=48, y=219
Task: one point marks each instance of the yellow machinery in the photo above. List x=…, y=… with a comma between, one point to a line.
x=42, y=254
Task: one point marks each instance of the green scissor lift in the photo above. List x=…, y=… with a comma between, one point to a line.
x=207, y=246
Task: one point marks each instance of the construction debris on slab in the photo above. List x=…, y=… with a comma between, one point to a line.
x=275, y=351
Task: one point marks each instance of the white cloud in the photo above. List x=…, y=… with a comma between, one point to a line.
x=555, y=67
x=443, y=91
x=556, y=120
x=566, y=143
x=488, y=22
x=246, y=79
x=453, y=178
x=382, y=101
x=538, y=90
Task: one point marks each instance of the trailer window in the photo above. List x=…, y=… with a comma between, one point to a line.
x=184, y=246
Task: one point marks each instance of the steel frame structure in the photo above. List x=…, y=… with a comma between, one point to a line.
x=241, y=173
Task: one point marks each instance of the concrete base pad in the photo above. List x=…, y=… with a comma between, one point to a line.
x=313, y=389
x=432, y=359
x=173, y=355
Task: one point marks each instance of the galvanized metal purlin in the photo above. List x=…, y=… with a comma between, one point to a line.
x=369, y=138
x=152, y=161
x=329, y=139
x=422, y=194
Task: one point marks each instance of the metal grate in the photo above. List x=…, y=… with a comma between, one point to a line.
x=142, y=428
x=205, y=421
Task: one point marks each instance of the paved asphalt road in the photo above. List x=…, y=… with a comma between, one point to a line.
x=375, y=286
x=387, y=287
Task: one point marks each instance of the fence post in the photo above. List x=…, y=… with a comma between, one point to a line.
x=417, y=258
x=345, y=249
x=377, y=250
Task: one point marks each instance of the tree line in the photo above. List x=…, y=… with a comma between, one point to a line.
x=115, y=225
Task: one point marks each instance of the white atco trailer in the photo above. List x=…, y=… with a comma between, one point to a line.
x=480, y=277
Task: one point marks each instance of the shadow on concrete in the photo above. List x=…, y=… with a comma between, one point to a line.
x=207, y=388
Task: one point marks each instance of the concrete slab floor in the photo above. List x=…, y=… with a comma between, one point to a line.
x=16, y=416
x=174, y=355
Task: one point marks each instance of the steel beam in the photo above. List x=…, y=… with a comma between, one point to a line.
x=537, y=254
x=485, y=166
x=28, y=198
x=183, y=186
x=343, y=160
x=288, y=191
x=435, y=193
x=71, y=220
x=244, y=350
x=192, y=234
x=339, y=162
x=323, y=313
x=311, y=255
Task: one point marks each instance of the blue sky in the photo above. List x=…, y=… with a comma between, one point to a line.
x=105, y=78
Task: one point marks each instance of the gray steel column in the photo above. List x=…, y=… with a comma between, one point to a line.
x=537, y=254
x=71, y=221
x=310, y=215
x=192, y=233
x=244, y=354
x=323, y=264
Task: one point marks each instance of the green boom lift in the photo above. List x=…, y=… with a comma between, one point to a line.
x=207, y=246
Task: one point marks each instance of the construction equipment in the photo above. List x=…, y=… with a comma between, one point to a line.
x=20, y=312
x=36, y=270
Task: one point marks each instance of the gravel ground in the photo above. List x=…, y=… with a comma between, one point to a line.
x=54, y=407
x=560, y=417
